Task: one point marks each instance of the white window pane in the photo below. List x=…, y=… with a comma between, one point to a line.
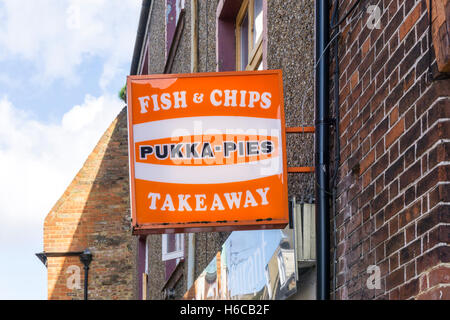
x=147, y=271
x=260, y=66
x=179, y=6
x=172, y=255
x=244, y=42
x=172, y=246
x=179, y=242
x=258, y=19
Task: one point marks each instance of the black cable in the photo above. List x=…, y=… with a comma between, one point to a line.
x=334, y=26
x=326, y=48
x=336, y=34
x=337, y=140
x=430, y=72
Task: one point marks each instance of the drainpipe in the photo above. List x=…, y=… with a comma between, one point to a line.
x=86, y=258
x=322, y=157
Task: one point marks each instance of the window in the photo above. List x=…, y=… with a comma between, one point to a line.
x=172, y=252
x=172, y=246
x=147, y=244
x=179, y=6
x=240, y=35
x=249, y=35
x=173, y=11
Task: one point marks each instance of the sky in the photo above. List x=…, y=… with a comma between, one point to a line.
x=62, y=64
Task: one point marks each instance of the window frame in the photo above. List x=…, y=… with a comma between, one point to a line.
x=173, y=14
x=147, y=246
x=178, y=253
x=255, y=50
x=179, y=5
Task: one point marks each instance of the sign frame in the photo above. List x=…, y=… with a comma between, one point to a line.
x=206, y=226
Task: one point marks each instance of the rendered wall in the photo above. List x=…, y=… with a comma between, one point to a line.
x=286, y=20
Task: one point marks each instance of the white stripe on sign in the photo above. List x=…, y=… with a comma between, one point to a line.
x=209, y=174
x=206, y=126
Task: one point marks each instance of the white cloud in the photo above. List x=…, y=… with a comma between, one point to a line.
x=53, y=40
x=38, y=160
x=57, y=36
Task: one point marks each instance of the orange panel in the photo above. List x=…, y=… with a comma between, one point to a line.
x=207, y=151
x=300, y=129
x=300, y=169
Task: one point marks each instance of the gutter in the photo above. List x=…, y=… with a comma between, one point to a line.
x=145, y=9
x=85, y=258
x=43, y=256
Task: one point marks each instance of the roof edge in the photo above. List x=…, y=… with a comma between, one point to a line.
x=145, y=9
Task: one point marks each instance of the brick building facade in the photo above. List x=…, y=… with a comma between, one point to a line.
x=393, y=189
x=93, y=213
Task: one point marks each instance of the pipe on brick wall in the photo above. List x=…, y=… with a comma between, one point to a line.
x=86, y=258
x=322, y=156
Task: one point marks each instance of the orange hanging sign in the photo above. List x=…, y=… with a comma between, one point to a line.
x=207, y=152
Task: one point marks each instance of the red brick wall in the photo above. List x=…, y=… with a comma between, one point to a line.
x=393, y=190
x=94, y=213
